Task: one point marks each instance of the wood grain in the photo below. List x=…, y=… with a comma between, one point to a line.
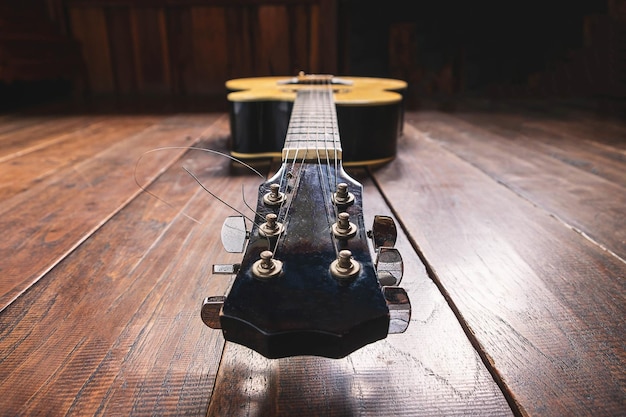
x=210, y=56
x=150, y=50
x=272, y=46
x=123, y=59
x=55, y=215
x=33, y=165
x=193, y=47
x=89, y=28
x=241, y=43
x=559, y=140
x=514, y=312
x=38, y=132
x=582, y=200
x=539, y=300
x=115, y=328
x=301, y=30
x=182, y=50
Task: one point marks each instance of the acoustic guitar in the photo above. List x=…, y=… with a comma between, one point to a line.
x=369, y=115
x=308, y=283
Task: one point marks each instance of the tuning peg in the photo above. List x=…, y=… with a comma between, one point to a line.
x=210, y=312
x=272, y=227
x=345, y=267
x=389, y=266
x=399, y=308
x=234, y=234
x=342, y=197
x=343, y=228
x=384, y=232
x=274, y=197
x=267, y=267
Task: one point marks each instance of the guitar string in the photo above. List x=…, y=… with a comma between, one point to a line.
x=329, y=115
x=190, y=148
x=222, y=200
x=327, y=108
x=336, y=144
x=289, y=166
x=317, y=114
x=287, y=174
x=334, y=127
x=310, y=107
x=323, y=101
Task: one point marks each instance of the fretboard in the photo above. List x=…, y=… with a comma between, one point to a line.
x=313, y=133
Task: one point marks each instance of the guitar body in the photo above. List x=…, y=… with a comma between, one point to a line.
x=369, y=114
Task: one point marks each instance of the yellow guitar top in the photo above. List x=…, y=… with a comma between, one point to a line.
x=349, y=91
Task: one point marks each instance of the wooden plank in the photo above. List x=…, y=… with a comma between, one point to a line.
x=272, y=53
x=570, y=146
x=36, y=132
x=151, y=54
x=567, y=118
x=115, y=329
x=605, y=132
x=26, y=169
x=181, y=50
x=539, y=300
x=430, y=370
x=48, y=221
x=240, y=41
x=210, y=57
x=300, y=38
x=89, y=27
x=326, y=40
x=123, y=57
x=14, y=122
x=164, y=37
x=582, y=200
x=316, y=62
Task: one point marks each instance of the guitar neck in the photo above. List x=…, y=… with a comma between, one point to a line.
x=313, y=133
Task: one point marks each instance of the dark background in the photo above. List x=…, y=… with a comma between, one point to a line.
x=499, y=40
x=189, y=48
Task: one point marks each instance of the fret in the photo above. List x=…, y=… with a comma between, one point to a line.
x=313, y=134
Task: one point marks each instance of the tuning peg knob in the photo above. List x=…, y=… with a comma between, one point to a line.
x=210, y=312
x=384, y=232
x=342, y=197
x=345, y=268
x=343, y=228
x=389, y=266
x=234, y=234
x=267, y=266
x=272, y=227
x=274, y=197
x=399, y=308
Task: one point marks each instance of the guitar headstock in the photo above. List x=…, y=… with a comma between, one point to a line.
x=307, y=284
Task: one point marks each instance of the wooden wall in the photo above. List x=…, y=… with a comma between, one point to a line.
x=191, y=47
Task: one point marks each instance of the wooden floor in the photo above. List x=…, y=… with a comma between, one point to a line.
x=514, y=241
